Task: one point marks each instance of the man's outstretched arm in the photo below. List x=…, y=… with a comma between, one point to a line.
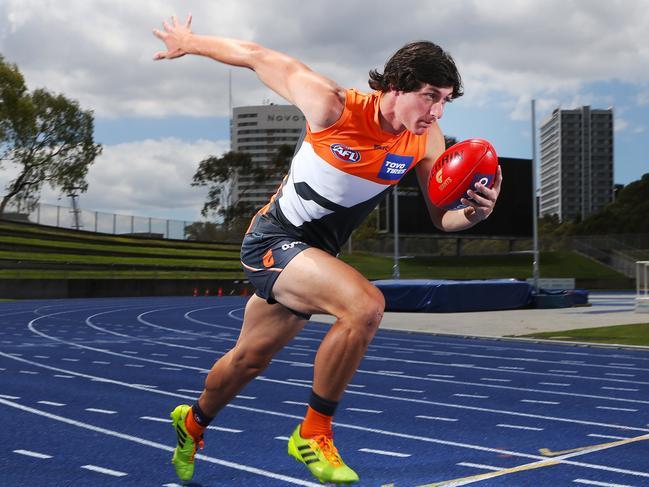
x=320, y=99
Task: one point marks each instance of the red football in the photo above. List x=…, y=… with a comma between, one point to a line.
x=458, y=169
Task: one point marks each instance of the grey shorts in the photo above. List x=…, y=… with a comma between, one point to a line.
x=265, y=254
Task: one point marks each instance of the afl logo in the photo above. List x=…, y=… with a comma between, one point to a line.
x=439, y=177
x=344, y=153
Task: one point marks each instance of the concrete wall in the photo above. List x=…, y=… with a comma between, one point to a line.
x=104, y=288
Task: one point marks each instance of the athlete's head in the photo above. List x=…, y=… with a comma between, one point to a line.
x=416, y=64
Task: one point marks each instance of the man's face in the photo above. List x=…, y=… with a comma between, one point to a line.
x=418, y=110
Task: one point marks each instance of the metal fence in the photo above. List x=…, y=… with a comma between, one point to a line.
x=98, y=221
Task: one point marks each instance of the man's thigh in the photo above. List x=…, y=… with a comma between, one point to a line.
x=316, y=282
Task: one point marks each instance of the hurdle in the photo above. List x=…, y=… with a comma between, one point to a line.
x=642, y=286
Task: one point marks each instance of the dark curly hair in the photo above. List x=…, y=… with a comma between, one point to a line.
x=413, y=65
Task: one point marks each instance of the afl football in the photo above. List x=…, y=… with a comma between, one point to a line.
x=459, y=169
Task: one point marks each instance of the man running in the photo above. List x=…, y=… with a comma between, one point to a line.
x=356, y=147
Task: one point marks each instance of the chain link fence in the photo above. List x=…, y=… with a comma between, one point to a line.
x=98, y=221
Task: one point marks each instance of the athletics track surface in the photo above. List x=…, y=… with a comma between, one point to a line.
x=86, y=387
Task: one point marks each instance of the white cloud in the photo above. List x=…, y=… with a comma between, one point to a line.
x=148, y=178
x=99, y=51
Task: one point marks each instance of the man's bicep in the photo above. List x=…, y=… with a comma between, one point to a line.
x=320, y=99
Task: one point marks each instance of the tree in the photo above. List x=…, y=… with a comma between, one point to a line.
x=46, y=136
x=215, y=172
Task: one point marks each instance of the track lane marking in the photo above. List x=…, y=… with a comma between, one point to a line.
x=34, y=454
x=159, y=446
x=611, y=444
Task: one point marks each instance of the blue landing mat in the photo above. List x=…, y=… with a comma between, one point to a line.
x=445, y=296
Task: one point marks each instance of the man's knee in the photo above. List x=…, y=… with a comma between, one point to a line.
x=366, y=309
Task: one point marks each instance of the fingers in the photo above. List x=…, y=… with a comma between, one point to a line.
x=174, y=21
x=188, y=22
x=166, y=26
x=499, y=179
x=159, y=34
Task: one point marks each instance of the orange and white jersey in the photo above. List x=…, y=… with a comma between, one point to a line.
x=339, y=175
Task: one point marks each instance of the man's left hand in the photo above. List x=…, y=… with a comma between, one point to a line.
x=483, y=199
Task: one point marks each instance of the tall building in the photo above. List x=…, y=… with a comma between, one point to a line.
x=260, y=131
x=576, y=162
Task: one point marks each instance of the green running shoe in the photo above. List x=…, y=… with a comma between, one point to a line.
x=321, y=457
x=183, y=458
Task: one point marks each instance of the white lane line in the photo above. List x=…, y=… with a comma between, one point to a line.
x=559, y=384
x=299, y=354
x=358, y=386
x=565, y=459
x=510, y=368
x=4, y=396
x=480, y=466
x=407, y=390
x=250, y=398
x=608, y=408
x=471, y=395
x=100, y=411
x=105, y=471
x=283, y=438
x=380, y=396
x=62, y=376
x=495, y=380
x=100, y=362
x=139, y=366
x=557, y=371
x=147, y=386
x=619, y=375
x=302, y=381
x=171, y=485
x=599, y=484
x=295, y=403
x=385, y=453
x=622, y=365
x=34, y=454
x=608, y=437
x=159, y=355
x=436, y=418
x=552, y=403
x=70, y=359
x=625, y=389
x=191, y=391
x=50, y=403
x=359, y=410
x=41, y=356
x=518, y=427
x=190, y=356
x=30, y=372
x=441, y=376
x=170, y=368
x=392, y=372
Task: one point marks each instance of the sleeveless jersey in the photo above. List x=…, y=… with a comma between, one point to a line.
x=339, y=175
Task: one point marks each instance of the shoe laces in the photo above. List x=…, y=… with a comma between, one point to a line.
x=328, y=449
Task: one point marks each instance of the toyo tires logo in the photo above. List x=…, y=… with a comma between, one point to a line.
x=345, y=153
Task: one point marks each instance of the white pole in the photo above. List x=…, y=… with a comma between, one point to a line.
x=535, y=231
x=395, y=268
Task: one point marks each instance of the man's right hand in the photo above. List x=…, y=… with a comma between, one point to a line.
x=174, y=36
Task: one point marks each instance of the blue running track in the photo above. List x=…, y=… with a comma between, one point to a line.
x=86, y=387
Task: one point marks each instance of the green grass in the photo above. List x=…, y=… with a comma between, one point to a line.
x=636, y=334
x=552, y=264
x=77, y=259
x=118, y=249
x=55, y=233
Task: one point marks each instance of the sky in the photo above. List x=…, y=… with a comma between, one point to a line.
x=156, y=120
